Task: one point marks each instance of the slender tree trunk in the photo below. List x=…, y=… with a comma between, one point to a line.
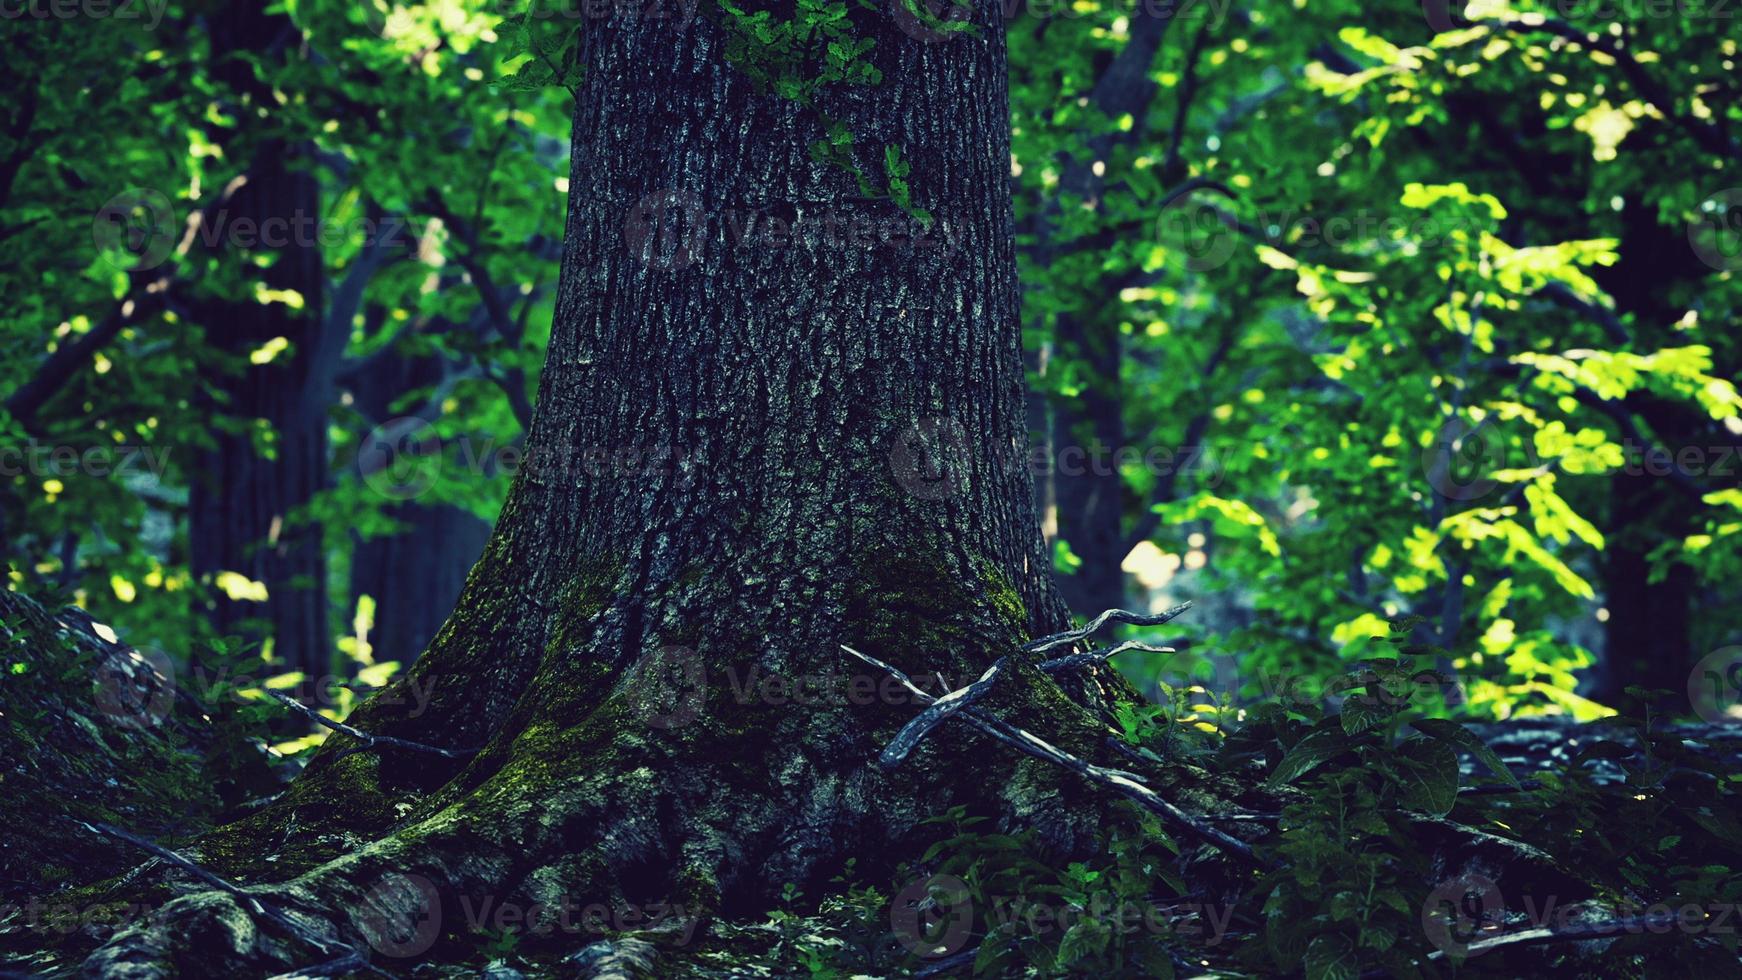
x=747, y=452
x=1089, y=429
x=1648, y=640
x=242, y=499
x=414, y=576
x=1090, y=490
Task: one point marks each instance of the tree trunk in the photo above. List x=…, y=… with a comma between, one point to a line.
x=747, y=451
x=241, y=499
x=414, y=576
x=1090, y=490
x=1648, y=640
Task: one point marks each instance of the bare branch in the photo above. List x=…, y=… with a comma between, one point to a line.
x=369, y=741
x=1121, y=782
x=938, y=713
x=1078, y=660
x=1573, y=932
x=1056, y=640
x=250, y=901
x=343, y=966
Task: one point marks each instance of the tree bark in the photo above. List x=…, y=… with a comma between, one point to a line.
x=747, y=451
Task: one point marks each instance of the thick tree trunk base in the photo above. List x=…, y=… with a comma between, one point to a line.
x=723, y=766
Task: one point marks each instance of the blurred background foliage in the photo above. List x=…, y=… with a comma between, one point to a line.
x=1336, y=314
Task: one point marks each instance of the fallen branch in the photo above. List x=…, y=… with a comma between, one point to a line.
x=1121, y=782
x=1573, y=932
x=368, y=741
x=965, y=958
x=1056, y=640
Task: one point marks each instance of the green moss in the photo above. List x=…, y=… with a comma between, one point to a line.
x=73, y=756
x=344, y=798
x=923, y=613
x=578, y=603
x=1002, y=594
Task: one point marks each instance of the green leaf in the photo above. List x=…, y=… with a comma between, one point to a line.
x=1306, y=755
x=1451, y=731
x=1363, y=712
x=1331, y=957
x=1430, y=775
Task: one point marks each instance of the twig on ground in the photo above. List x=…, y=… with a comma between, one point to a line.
x=1574, y=932
x=1655, y=922
x=368, y=741
x=347, y=964
x=948, y=963
x=936, y=714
